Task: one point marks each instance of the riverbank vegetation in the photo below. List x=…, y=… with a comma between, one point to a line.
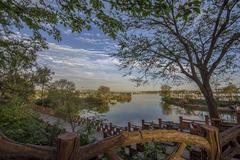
x=89, y=98
x=227, y=96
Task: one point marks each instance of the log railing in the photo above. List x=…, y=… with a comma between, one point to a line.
x=230, y=143
x=127, y=138
x=124, y=139
x=10, y=149
x=222, y=146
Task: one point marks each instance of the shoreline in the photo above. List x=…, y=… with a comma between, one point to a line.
x=199, y=106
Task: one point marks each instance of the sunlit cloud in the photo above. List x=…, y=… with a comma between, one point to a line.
x=90, y=67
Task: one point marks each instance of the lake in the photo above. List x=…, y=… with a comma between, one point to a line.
x=150, y=107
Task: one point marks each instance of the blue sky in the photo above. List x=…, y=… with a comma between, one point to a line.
x=84, y=59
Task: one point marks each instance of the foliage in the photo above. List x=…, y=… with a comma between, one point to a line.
x=46, y=102
x=87, y=133
x=162, y=44
x=178, y=101
x=104, y=90
x=148, y=7
x=165, y=91
x=230, y=89
x=45, y=16
x=152, y=151
x=59, y=90
x=20, y=123
x=66, y=100
x=17, y=65
x=44, y=76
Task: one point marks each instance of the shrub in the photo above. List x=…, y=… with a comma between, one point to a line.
x=20, y=123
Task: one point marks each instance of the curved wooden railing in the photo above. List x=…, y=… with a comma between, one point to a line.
x=230, y=143
x=10, y=149
x=127, y=138
x=107, y=145
x=224, y=146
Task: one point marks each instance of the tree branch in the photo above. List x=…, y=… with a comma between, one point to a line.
x=225, y=49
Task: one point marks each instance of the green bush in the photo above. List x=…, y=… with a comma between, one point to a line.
x=46, y=102
x=20, y=123
x=152, y=151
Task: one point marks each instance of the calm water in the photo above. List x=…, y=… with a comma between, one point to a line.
x=150, y=108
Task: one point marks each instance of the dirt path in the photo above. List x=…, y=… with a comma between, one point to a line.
x=55, y=120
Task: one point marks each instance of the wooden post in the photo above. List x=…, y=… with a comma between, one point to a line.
x=66, y=144
x=129, y=127
x=180, y=122
x=110, y=125
x=238, y=116
x=212, y=135
x=206, y=120
x=216, y=122
x=105, y=133
x=143, y=126
x=160, y=123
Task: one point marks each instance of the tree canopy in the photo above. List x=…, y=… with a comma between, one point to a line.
x=45, y=16
x=104, y=89
x=230, y=88
x=17, y=68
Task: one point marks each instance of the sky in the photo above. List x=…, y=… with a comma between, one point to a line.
x=84, y=58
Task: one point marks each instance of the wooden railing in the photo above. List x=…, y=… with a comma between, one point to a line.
x=218, y=146
x=230, y=143
x=10, y=149
x=107, y=145
x=68, y=147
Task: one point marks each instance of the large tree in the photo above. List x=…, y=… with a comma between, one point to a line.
x=66, y=100
x=43, y=78
x=165, y=44
x=17, y=68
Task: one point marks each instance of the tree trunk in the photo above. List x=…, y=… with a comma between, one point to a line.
x=42, y=94
x=211, y=103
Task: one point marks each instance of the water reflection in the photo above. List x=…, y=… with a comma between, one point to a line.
x=167, y=109
x=150, y=107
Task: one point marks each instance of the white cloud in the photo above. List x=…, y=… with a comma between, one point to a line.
x=67, y=32
x=87, y=68
x=75, y=58
x=95, y=39
x=69, y=49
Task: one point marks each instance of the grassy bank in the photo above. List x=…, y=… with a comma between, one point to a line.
x=200, y=104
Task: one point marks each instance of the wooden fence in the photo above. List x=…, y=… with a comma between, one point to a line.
x=219, y=146
x=68, y=147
